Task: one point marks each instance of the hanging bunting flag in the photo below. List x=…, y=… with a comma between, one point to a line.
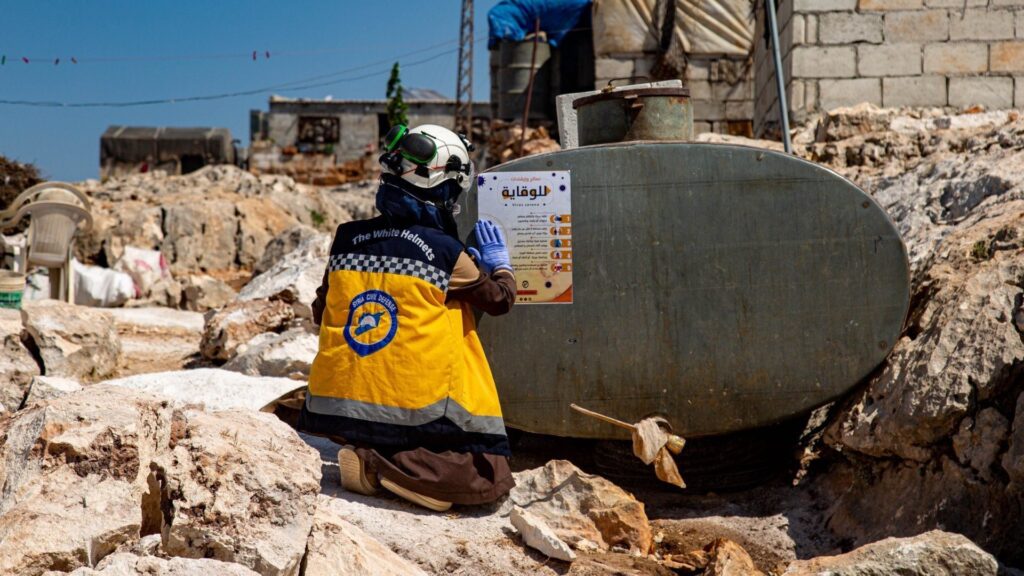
x=25, y=60
x=74, y=60
x=56, y=61
x=267, y=54
x=253, y=55
x=3, y=60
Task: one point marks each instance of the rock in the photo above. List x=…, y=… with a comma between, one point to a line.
x=977, y=443
x=536, y=534
x=17, y=365
x=283, y=244
x=239, y=322
x=123, y=564
x=1013, y=459
x=934, y=553
x=577, y=505
x=157, y=339
x=119, y=465
x=78, y=461
x=288, y=355
x=294, y=278
x=727, y=558
x=48, y=387
x=217, y=218
x=260, y=220
x=201, y=293
x=961, y=348
x=337, y=547
x=200, y=236
x=212, y=388
x=927, y=439
x=238, y=486
x=73, y=341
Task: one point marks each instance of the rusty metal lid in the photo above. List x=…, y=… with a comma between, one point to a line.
x=631, y=94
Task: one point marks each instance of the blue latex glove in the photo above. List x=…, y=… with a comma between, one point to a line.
x=493, y=253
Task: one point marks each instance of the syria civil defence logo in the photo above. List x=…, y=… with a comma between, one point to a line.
x=372, y=322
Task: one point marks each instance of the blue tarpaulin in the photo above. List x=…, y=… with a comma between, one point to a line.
x=514, y=19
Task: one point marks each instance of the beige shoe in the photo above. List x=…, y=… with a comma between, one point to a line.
x=353, y=473
x=416, y=498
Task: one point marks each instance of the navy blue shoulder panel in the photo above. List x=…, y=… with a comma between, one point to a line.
x=378, y=237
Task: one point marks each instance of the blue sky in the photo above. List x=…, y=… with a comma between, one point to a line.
x=141, y=50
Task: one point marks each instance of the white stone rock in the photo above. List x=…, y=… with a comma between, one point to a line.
x=73, y=341
x=287, y=355
x=934, y=553
x=213, y=388
x=124, y=564
x=294, y=278
x=48, y=387
x=538, y=535
x=338, y=547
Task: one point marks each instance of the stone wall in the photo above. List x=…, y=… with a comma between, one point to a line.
x=955, y=53
x=721, y=87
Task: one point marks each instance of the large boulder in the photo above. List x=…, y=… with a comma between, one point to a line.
x=73, y=341
x=288, y=355
x=212, y=388
x=95, y=471
x=239, y=322
x=201, y=293
x=338, y=547
x=579, y=506
x=80, y=461
x=283, y=244
x=294, y=278
x=200, y=236
x=930, y=440
x=157, y=339
x=17, y=365
x=260, y=220
x=238, y=486
x=934, y=553
x=124, y=564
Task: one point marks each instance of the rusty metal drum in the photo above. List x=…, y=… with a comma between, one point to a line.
x=636, y=114
x=723, y=287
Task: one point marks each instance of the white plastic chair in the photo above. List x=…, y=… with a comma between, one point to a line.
x=56, y=214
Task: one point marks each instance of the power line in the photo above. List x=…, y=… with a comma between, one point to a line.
x=328, y=79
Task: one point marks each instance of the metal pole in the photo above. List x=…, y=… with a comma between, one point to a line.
x=780, y=80
x=529, y=87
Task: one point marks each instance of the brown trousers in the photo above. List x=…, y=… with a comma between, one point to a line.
x=459, y=477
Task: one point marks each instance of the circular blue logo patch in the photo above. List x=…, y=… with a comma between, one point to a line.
x=372, y=322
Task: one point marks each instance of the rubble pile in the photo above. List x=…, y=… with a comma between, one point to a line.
x=175, y=470
x=503, y=141
x=16, y=177
x=217, y=218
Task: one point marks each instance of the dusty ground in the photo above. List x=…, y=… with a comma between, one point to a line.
x=776, y=523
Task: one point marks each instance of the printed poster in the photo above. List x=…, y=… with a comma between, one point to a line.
x=534, y=211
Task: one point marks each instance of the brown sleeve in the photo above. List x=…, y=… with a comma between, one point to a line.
x=494, y=294
x=321, y=299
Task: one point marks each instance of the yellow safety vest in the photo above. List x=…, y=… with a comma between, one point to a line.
x=397, y=365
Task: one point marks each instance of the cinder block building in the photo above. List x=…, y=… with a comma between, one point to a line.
x=943, y=53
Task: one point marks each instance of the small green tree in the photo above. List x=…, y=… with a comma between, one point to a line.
x=396, y=105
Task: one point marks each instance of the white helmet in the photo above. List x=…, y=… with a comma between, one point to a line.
x=428, y=155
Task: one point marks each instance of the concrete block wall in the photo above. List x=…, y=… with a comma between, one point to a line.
x=955, y=53
x=721, y=87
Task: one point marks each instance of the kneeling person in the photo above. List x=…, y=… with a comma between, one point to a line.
x=401, y=375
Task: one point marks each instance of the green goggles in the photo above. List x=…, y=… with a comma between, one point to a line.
x=419, y=149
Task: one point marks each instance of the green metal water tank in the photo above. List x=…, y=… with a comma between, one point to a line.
x=722, y=286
